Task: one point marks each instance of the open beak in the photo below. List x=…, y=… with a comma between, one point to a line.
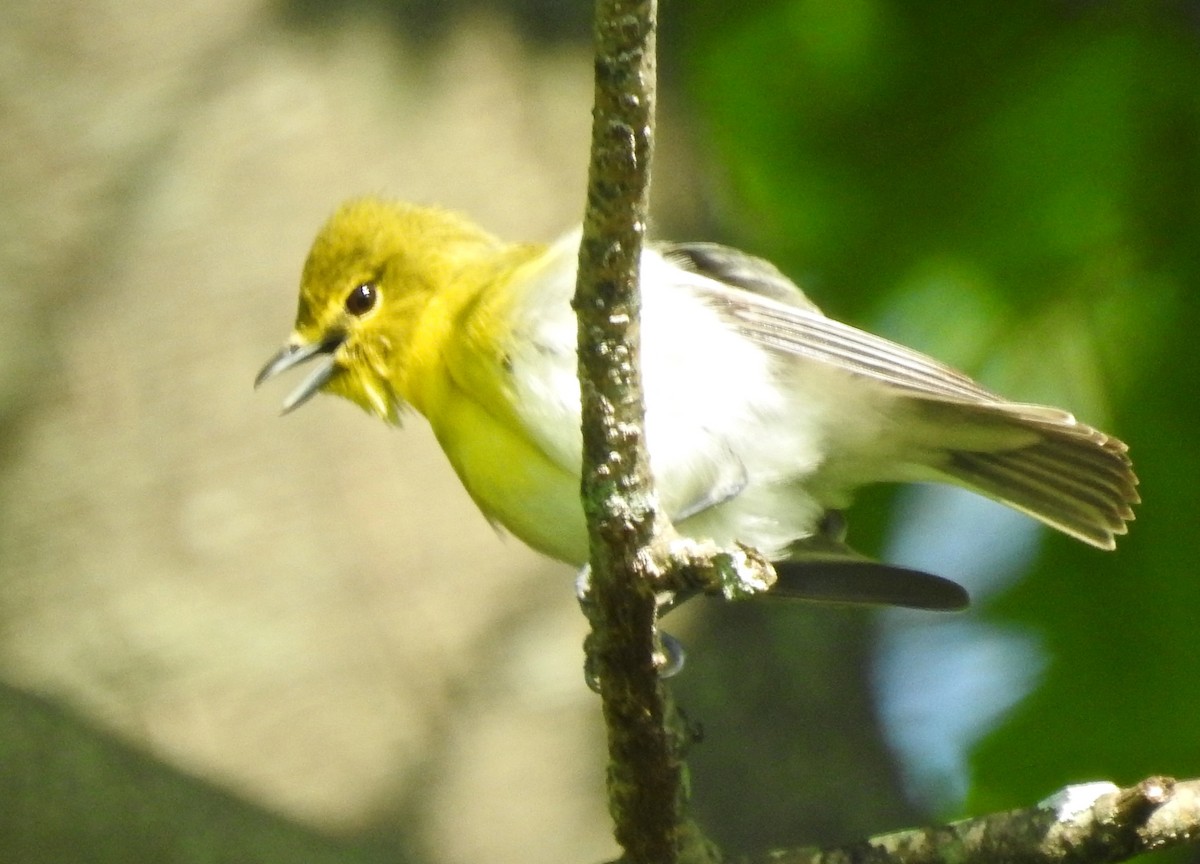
x=293, y=355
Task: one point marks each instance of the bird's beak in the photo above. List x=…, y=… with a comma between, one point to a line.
x=295, y=354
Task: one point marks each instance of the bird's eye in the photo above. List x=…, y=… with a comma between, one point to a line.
x=362, y=299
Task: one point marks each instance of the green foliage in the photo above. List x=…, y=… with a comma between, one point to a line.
x=1015, y=189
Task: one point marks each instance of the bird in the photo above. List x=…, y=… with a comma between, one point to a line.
x=763, y=416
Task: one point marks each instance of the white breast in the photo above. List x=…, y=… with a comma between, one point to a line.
x=723, y=412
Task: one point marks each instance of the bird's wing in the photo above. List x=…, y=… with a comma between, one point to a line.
x=738, y=269
x=1035, y=458
x=769, y=308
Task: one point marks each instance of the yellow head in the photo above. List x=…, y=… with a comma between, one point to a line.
x=369, y=278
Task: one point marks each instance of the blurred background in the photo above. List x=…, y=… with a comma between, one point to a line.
x=226, y=636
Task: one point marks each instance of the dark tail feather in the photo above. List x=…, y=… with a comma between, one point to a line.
x=866, y=582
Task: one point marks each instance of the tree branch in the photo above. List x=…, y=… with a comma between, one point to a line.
x=645, y=773
x=634, y=553
x=1118, y=824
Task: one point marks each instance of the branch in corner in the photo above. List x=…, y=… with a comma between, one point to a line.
x=1118, y=824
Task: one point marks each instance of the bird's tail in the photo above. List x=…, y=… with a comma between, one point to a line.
x=1041, y=461
x=822, y=568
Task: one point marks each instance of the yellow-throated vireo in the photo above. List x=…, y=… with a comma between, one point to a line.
x=762, y=415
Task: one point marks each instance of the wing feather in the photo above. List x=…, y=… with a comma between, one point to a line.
x=769, y=308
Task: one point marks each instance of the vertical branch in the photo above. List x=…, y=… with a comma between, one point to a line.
x=645, y=774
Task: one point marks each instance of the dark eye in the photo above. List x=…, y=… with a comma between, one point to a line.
x=362, y=299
